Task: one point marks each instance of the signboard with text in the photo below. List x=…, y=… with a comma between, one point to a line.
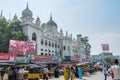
x=7, y=57
x=75, y=58
x=39, y=58
x=22, y=47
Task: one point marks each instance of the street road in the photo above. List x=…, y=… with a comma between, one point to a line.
x=94, y=76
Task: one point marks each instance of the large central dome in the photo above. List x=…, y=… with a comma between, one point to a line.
x=51, y=23
x=27, y=12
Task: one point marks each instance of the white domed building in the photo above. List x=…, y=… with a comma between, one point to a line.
x=49, y=40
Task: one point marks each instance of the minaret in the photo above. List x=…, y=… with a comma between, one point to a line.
x=38, y=21
x=27, y=15
x=50, y=16
x=15, y=17
x=1, y=14
x=66, y=33
x=71, y=36
x=61, y=33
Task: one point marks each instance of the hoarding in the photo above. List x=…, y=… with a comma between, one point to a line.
x=67, y=58
x=22, y=47
x=75, y=58
x=22, y=59
x=7, y=57
x=41, y=59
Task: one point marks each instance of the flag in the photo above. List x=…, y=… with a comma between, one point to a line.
x=105, y=47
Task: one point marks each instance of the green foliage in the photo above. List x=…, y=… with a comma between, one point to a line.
x=85, y=41
x=10, y=30
x=109, y=59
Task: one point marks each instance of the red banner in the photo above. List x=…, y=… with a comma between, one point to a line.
x=43, y=58
x=76, y=58
x=5, y=57
x=22, y=47
x=105, y=47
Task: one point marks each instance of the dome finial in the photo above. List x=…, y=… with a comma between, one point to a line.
x=50, y=16
x=27, y=5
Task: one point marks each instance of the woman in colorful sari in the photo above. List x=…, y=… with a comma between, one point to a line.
x=80, y=73
x=66, y=75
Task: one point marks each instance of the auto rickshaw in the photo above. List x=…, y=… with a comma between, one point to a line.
x=34, y=73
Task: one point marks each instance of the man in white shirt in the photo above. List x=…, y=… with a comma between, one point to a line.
x=20, y=73
x=45, y=71
x=116, y=70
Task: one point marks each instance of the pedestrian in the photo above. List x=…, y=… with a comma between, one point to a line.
x=76, y=71
x=2, y=74
x=116, y=70
x=66, y=75
x=80, y=73
x=105, y=72
x=45, y=73
x=112, y=74
x=56, y=73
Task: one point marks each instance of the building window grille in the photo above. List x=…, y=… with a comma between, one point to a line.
x=55, y=45
x=41, y=49
x=64, y=48
x=58, y=46
x=45, y=42
x=41, y=53
x=49, y=43
x=42, y=41
x=45, y=50
x=52, y=44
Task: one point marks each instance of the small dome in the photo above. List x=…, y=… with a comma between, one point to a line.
x=51, y=23
x=27, y=12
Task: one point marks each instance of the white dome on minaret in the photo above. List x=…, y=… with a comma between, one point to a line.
x=27, y=12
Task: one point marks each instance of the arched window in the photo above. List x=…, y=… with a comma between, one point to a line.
x=34, y=36
x=58, y=46
x=55, y=45
x=42, y=41
x=52, y=44
x=49, y=43
x=64, y=48
x=45, y=42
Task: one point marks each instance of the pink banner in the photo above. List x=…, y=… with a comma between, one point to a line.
x=6, y=57
x=105, y=47
x=76, y=58
x=22, y=47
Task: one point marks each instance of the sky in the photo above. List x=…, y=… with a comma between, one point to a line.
x=97, y=19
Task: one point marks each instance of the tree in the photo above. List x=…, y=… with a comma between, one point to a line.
x=85, y=41
x=10, y=30
x=109, y=59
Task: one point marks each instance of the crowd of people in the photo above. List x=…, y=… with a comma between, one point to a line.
x=69, y=72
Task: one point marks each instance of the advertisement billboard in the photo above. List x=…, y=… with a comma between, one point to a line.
x=7, y=57
x=75, y=58
x=40, y=59
x=22, y=47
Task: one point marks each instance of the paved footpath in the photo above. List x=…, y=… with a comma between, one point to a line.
x=94, y=76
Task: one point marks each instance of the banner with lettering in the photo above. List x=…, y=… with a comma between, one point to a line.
x=105, y=47
x=7, y=57
x=22, y=47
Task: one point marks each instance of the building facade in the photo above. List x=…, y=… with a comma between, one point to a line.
x=49, y=40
